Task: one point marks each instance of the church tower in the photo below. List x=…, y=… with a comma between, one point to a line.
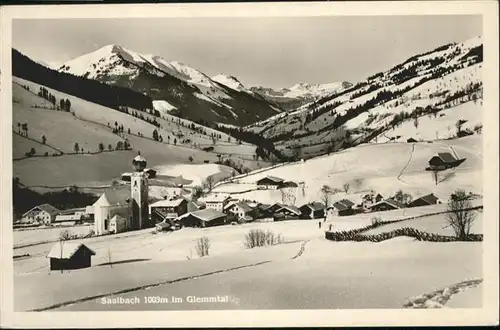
x=139, y=194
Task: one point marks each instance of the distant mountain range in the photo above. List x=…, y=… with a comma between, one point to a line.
x=189, y=93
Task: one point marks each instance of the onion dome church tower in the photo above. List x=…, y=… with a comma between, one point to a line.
x=139, y=194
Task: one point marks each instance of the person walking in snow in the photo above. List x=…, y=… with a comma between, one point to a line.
x=331, y=227
x=319, y=224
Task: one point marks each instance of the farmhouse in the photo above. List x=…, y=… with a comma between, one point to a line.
x=110, y=203
x=388, y=204
x=68, y=255
x=168, y=209
x=340, y=208
x=312, y=210
x=240, y=210
x=41, y=214
x=217, y=202
x=444, y=160
x=424, y=200
x=411, y=140
x=269, y=182
x=202, y=218
x=286, y=212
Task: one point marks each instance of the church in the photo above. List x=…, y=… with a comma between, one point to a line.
x=120, y=210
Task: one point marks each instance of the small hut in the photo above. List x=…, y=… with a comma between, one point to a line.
x=68, y=255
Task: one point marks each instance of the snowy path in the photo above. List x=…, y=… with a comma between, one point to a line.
x=439, y=298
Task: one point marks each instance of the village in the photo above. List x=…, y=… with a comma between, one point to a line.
x=117, y=211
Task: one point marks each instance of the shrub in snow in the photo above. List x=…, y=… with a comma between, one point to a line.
x=259, y=237
x=203, y=246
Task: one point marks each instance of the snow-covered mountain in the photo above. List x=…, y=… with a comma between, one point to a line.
x=230, y=81
x=50, y=65
x=189, y=92
x=299, y=94
x=422, y=98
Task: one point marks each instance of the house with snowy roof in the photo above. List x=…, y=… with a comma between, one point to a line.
x=386, y=205
x=340, y=208
x=312, y=210
x=429, y=199
x=269, y=182
x=41, y=214
x=69, y=255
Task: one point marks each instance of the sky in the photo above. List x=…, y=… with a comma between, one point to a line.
x=260, y=51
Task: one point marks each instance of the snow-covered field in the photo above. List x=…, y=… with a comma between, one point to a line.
x=384, y=168
x=49, y=234
x=325, y=274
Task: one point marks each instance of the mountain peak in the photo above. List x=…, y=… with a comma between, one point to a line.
x=229, y=81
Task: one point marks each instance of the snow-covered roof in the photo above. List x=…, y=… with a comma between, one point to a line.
x=216, y=198
x=139, y=158
x=315, y=206
x=271, y=178
x=243, y=206
x=113, y=197
x=168, y=203
x=65, y=250
x=429, y=199
x=342, y=205
x=446, y=157
x=290, y=208
x=390, y=202
x=207, y=214
x=45, y=207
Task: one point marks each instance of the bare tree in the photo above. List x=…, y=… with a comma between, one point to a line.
x=460, y=216
x=325, y=197
x=209, y=182
x=287, y=197
x=402, y=197
x=346, y=187
x=203, y=246
x=435, y=173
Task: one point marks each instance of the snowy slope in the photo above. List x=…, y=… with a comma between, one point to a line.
x=163, y=106
x=230, y=81
x=426, y=84
x=383, y=167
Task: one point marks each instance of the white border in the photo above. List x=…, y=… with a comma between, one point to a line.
x=488, y=315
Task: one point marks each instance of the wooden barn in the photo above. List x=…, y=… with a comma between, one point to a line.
x=340, y=208
x=287, y=212
x=202, y=218
x=69, y=255
x=313, y=210
x=424, y=201
x=168, y=209
x=269, y=182
x=386, y=205
x=444, y=160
